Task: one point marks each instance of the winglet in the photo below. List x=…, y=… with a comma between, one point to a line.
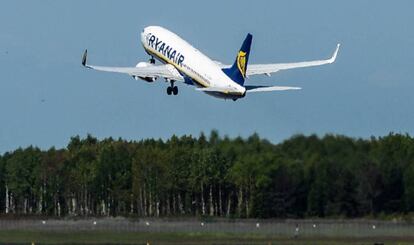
x=332, y=60
x=85, y=57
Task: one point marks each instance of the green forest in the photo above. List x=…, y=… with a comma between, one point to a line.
x=212, y=175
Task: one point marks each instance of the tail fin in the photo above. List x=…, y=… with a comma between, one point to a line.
x=238, y=71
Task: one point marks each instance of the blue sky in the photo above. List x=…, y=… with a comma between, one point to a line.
x=46, y=97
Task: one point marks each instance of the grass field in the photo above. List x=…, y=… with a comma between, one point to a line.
x=105, y=237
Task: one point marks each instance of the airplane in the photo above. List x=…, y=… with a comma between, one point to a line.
x=181, y=62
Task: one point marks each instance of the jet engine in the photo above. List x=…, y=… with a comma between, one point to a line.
x=147, y=79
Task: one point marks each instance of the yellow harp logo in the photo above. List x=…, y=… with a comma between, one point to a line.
x=241, y=63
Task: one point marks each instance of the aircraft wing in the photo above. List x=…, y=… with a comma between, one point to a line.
x=166, y=71
x=255, y=89
x=256, y=69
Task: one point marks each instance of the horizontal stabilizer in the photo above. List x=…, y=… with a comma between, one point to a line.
x=255, y=89
x=213, y=89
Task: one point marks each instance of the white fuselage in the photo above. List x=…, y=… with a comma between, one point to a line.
x=195, y=67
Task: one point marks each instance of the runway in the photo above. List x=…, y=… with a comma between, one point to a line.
x=212, y=231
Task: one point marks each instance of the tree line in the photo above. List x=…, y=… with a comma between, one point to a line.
x=304, y=176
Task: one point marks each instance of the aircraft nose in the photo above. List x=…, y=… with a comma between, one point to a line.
x=146, y=29
x=144, y=33
x=143, y=36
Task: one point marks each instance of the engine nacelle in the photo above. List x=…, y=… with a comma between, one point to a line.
x=147, y=79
